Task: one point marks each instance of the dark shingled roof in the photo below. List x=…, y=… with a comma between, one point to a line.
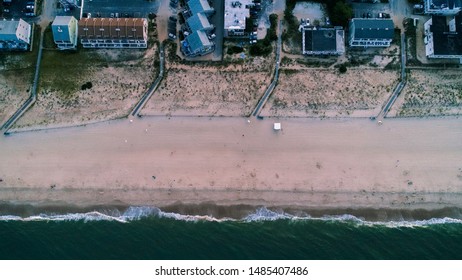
x=373, y=28
x=320, y=40
x=445, y=42
x=448, y=3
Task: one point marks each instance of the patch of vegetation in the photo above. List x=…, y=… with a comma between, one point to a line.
x=234, y=49
x=411, y=35
x=339, y=10
x=48, y=42
x=87, y=85
x=315, y=62
x=39, y=5
x=264, y=47
x=342, y=68
x=289, y=71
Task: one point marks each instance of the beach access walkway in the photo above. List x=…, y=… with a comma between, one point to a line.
x=274, y=82
x=399, y=87
x=33, y=94
x=144, y=99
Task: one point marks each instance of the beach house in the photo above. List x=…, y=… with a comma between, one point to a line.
x=15, y=35
x=443, y=37
x=371, y=32
x=197, y=41
x=323, y=40
x=113, y=32
x=65, y=32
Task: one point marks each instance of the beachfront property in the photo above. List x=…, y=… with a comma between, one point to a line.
x=65, y=31
x=197, y=41
x=323, y=40
x=15, y=35
x=371, y=32
x=443, y=37
x=236, y=13
x=442, y=7
x=200, y=6
x=113, y=32
x=197, y=44
x=199, y=22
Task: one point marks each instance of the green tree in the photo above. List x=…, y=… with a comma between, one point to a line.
x=341, y=13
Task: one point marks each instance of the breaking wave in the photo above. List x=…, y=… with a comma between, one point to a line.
x=262, y=214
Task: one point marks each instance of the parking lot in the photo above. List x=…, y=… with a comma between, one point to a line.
x=119, y=8
x=18, y=9
x=368, y=10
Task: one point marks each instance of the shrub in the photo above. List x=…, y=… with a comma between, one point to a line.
x=87, y=85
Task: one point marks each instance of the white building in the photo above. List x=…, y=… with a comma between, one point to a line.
x=15, y=35
x=442, y=7
x=236, y=11
x=65, y=32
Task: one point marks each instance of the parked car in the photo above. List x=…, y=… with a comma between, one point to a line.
x=327, y=21
x=384, y=15
x=6, y=10
x=212, y=36
x=253, y=42
x=171, y=36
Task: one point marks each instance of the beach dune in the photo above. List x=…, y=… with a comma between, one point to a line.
x=310, y=164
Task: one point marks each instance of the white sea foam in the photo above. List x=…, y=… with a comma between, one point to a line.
x=262, y=214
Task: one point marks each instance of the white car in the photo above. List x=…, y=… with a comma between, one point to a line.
x=212, y=36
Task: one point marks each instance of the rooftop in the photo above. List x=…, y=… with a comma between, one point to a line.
x=11, y=30
x=442, y=6
x=198, y=40
x=369, y=28
x=446, y=41
x=112, y=27
x=62, y=20
x=198, y=22
x=199, y=6
x=235, y=13
x=8, y=27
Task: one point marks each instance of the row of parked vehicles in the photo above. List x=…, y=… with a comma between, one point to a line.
x=28, y=10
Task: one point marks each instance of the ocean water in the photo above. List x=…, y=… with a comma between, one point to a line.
x=151, y=233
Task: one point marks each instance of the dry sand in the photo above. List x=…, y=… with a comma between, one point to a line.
x=430, y=93
x=327, y=93
x=403, y=164
x=14, y=90
x=16, y=76
x=118, y=77
x=202, y=90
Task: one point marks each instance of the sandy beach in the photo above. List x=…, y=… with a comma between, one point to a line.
x=310, y=164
